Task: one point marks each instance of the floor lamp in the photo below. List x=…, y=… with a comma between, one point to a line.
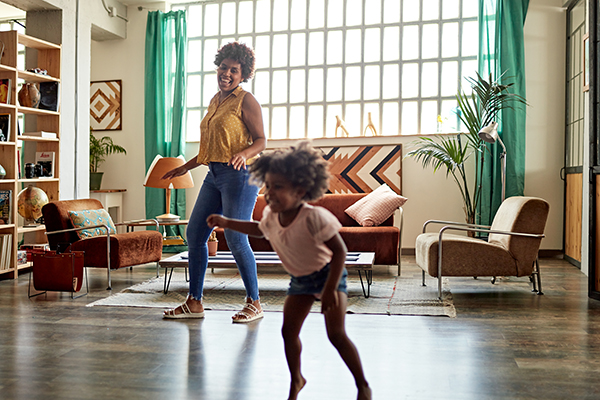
x=160, y=166
x=489, y=134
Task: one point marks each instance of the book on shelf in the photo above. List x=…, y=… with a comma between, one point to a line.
x=5, y=199
x=21, y=257
x=4, y=127
x=34, y=248
x=6, y=246
x=46, y=158
x=5, y=87
x=43, y=134
x=49, y=96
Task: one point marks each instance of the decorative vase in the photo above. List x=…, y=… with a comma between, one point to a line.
x=2, y=172
x=95, y=180
x=29, y=95
x=212, y=247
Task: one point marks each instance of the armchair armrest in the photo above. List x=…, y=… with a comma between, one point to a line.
x=138, y=222
x=434, y=221
x=471, y=228
x=80, y=229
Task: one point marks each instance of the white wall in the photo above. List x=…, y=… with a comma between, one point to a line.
x=431, y=196
x=124, y=59
x=545, y=69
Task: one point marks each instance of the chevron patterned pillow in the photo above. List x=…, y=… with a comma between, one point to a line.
x=376, y=207
x=84, y=218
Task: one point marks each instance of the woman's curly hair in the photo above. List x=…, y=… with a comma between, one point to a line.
x=302, y=165
x=240, y=53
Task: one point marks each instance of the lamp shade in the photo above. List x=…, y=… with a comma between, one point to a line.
x=489, y=133
x=160, y=166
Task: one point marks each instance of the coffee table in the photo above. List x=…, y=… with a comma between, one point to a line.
x=360, y=261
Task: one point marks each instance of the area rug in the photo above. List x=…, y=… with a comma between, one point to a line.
x=390, y=295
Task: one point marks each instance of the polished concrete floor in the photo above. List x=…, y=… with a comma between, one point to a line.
x=506, y=343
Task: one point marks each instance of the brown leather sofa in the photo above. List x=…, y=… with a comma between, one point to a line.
x=384, y=240
x=126, y=249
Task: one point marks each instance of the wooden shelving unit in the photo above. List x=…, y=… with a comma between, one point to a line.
x=21, y=147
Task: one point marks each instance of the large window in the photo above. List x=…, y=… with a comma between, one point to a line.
x=398, y=62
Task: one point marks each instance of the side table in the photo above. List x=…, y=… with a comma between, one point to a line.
x=110, y=198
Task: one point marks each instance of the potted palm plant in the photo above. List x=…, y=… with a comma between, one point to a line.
x=99, y=150
x=477, y=110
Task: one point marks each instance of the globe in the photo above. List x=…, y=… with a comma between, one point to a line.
x=30, y=202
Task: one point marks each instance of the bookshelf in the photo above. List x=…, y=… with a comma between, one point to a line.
x=24, y=140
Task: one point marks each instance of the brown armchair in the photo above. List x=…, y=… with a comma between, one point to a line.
x=112, y=251
x=511, y=249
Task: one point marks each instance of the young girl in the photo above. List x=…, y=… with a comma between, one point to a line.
x=307, y=240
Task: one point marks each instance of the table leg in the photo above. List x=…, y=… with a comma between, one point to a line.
x=166, y=286
x=369, y=280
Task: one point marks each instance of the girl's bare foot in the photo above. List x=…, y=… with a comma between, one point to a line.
x=296, y=387
x=364, y=393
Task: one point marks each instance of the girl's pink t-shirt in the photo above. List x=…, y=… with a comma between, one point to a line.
x=301, y=245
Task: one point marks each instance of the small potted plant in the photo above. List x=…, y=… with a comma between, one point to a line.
x=212, y=243
x=99, y=149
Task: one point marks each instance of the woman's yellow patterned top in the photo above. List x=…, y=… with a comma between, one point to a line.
x=223, y=133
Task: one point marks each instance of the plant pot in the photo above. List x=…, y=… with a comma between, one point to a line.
x=95, y=180
x=212, y=247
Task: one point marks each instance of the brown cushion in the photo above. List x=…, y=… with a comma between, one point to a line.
x=126, y=249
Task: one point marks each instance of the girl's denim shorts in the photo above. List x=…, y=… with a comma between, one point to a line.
x=315, y=282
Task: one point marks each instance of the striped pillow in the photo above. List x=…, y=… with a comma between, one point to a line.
x=83, y=218
x=376, y=207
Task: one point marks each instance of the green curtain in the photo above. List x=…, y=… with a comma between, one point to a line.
x=502, y=53
x=164, y=99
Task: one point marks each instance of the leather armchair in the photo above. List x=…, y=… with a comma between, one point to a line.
x=113, y=251
x=511, y=249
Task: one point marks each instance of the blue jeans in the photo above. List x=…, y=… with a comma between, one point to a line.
x=224, y=191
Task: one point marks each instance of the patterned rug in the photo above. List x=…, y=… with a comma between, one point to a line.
x=224, y=290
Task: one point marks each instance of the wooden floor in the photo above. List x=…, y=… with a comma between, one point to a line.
x=506, y=343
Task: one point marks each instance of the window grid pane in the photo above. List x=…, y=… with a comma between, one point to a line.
x=402, y=61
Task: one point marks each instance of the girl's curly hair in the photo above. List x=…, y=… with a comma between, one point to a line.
x=302, y=165
x=240, y=53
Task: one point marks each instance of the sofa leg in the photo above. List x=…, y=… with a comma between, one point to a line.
x=423, y=278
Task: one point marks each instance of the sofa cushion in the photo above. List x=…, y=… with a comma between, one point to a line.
x=85, y=218
x=126, y=249
x=376, y=207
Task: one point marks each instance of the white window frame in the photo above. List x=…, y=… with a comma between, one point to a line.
x=328, y=126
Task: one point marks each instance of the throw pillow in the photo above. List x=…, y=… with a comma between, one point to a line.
x=84, y=218
x=376, y=207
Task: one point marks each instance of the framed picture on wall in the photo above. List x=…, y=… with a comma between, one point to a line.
x=105, y=105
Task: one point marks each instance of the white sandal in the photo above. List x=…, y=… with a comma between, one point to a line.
x=248, y=314
x=186, y=313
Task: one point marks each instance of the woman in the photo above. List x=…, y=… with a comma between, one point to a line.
x=231, y=137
